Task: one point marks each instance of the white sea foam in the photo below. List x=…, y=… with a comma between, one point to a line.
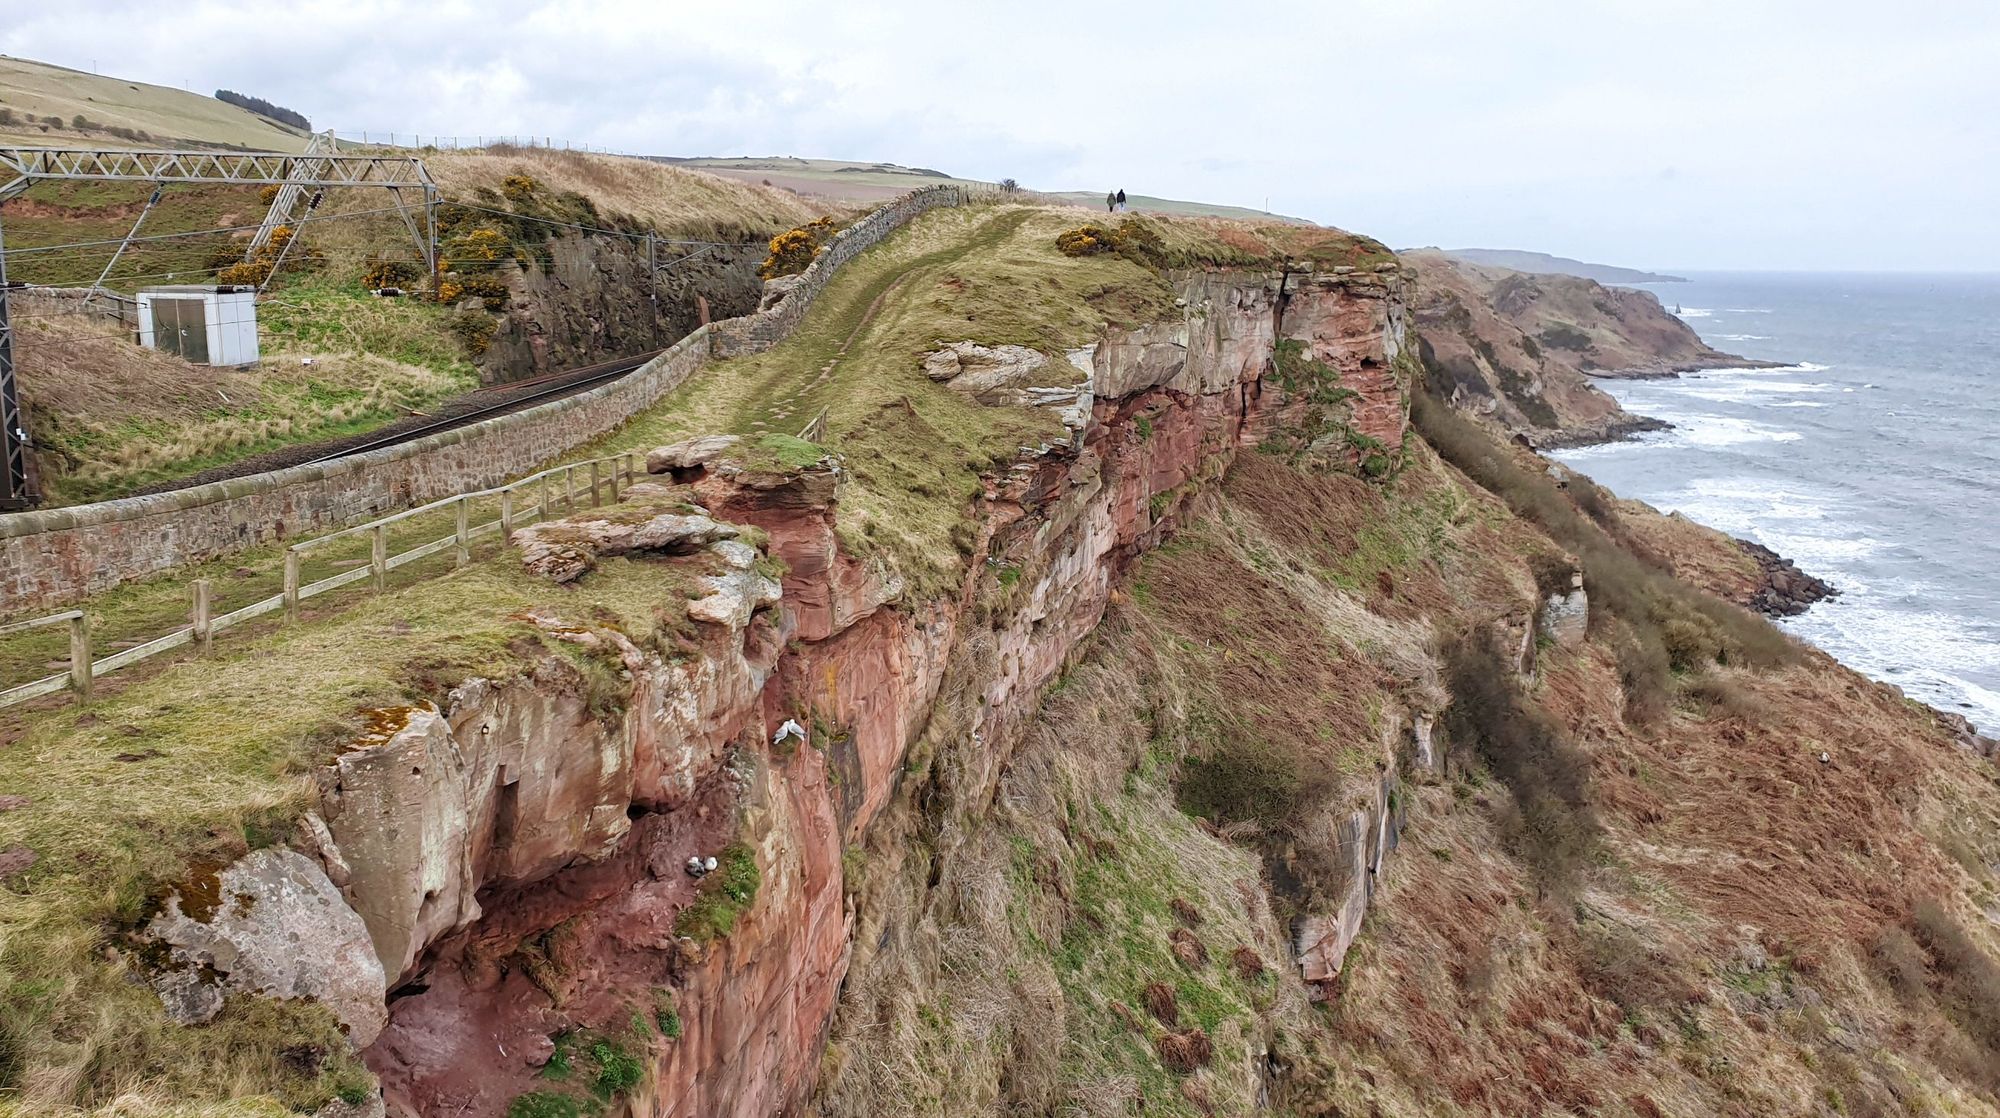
x=1694, y=312
x=1748, y=310
x=1717, y=430
x=1725, y=389
x=1869, y=631
x=1742, y=337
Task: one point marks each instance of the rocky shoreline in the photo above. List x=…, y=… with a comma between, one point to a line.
x=1666, y=372
x=1786, y=591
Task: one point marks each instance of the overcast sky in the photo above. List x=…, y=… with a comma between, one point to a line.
x=1691, y=133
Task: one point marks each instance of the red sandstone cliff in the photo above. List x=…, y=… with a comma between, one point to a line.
x=518, y=856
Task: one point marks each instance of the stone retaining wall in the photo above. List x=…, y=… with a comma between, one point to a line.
x=52, y=557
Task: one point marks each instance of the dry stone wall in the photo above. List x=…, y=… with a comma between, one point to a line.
x=53, y=557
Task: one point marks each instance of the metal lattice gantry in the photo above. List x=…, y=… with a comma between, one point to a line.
x=289, y=194
x=22, y=167
x=251, y=168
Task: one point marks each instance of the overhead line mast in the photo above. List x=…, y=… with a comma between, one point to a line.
x=22, y=167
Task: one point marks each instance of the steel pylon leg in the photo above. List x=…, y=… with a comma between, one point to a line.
x=16, y=492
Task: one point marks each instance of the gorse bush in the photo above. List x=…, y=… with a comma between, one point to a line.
x=1084, y=240
x=1133, y=239
x=794, y=251
x=254, y=271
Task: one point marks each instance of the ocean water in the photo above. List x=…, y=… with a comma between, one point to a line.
x=1871, y=460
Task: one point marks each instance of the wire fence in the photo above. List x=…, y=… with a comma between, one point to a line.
x=421, y=141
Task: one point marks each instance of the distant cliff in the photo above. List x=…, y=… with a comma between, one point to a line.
x=1541, y=263
x=1518, y=350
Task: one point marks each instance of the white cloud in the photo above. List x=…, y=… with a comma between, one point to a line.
x=1699, y=133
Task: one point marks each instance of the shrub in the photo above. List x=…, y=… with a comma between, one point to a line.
x=793, y=251
x=617, y=1070
x=256, y=270
x=268, y=193
x=491, y=288
x=1085, y=240
x=391, y=273
x=474, y=328
x=1562, y=335
x=481, y=245
x=519, y=189
x=1685, y=626
x=1554, y=829
x=1965, y=979
x=81, y=123
x=6, y=117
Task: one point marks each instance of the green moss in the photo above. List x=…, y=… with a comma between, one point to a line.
x=722, y=897
x=785, y=451
x=544, y=1104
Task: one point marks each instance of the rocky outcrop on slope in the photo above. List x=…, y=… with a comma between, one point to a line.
x=1783, y=590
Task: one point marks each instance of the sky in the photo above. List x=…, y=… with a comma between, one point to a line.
x=1696, y=134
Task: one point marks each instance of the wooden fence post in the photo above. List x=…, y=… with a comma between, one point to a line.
x=378, y=559
x=595, y=499
x=569, y=488
x=292, y=561
x=548, y=488
x=614, y=480
x=204, y=632
x=464, y=534
x=506, y=516
x=79, y=656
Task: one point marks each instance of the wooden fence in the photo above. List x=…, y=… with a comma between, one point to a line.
x=547, y=489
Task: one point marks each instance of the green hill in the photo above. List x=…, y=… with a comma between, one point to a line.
x=155, y=115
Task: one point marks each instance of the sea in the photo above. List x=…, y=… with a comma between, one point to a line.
x=1870, y=458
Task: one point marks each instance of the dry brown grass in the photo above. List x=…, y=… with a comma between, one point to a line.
x=109, y=415
x=672, y=200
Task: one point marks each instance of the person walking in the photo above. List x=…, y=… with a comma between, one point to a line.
x=1121, y=201
x=1110, y=203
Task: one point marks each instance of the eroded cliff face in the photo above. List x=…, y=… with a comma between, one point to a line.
x=1518, y=350
x=520, y=855
x=591, y=302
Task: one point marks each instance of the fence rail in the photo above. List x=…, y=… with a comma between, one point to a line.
x=601, y=474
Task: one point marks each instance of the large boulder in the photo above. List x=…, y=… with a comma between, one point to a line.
x=274, y=925
x=564, y=550
x=1002, y=375
x=690, y=454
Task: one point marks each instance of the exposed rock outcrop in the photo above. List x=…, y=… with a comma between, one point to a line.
x=564, y=550
x=1783, y=589
x=271, y=924
x=1566, y=614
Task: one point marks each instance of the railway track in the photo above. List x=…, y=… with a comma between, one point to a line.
x=551, y=387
